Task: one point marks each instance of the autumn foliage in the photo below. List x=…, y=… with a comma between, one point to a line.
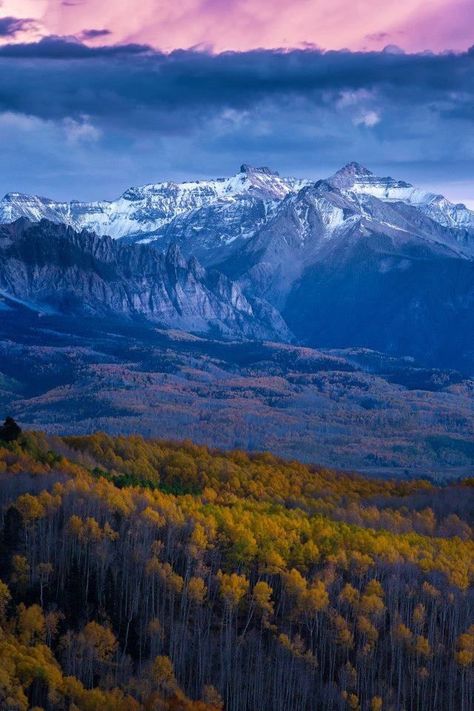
x=140, y=575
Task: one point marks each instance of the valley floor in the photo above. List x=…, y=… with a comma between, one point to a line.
x=351, y=409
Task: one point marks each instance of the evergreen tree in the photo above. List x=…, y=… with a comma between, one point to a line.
x=9, y=431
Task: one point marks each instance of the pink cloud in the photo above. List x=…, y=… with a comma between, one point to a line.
x=246, y=24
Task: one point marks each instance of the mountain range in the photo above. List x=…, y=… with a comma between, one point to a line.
x=331, y=320
x=353, y=260
x=227, y=209
x=143, y=213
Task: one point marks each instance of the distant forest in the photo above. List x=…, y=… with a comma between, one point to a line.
x=151, y=575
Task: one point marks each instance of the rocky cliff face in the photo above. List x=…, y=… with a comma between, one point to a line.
x=52, y=267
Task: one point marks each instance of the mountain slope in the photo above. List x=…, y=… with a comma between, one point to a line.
x=356, y=179
x=351, y=269
x=52, y=266
x=369, y=290
x=307, y=223
x=353, y=260
x=142, y=212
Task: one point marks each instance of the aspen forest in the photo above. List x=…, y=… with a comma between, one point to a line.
x=155, y=575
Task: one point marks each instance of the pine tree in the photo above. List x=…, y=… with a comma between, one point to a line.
x=10, y=431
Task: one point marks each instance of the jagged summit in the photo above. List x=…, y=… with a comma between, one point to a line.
x=12, y=195
x=354, y=168
x=349, y=174
x=247, y=168
x=146, y=210
x=210, y=215
x=354, y=176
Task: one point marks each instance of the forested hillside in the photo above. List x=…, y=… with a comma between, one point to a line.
x=144, y=574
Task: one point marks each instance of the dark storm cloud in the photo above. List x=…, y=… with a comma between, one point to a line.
x=93, y=34
x=66, y=48
x=10, y=26
x=192, y=112
x=133, y=78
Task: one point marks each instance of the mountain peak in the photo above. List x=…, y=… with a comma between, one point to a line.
x=12, y=196
x=246, y=168
x=355, y=168
x=349, y=174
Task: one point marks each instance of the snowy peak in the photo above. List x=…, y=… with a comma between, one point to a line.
x=247, y=168
x=204, y=192
x=207, y=216
x=144, y=210
x=357, y=181
x=265, y=182
x=15, y=205
x=350, y=174
x=356, y=178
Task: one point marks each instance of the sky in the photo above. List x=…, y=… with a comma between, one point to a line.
x=96, y=96
x=414, y=25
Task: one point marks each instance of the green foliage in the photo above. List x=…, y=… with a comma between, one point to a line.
x=122, y=481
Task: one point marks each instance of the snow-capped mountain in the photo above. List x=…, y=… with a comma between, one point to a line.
x=345, y=267
x=354, y=178
x=307, y=226
x=236, y=206
x=353, y=260
x=142, y=211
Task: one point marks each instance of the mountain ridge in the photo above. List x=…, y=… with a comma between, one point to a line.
x=353, y=260
x=51, y=264
x=144, y=209
x=160, y=203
